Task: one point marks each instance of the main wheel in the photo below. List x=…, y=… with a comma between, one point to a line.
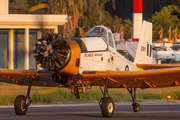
x=136, y=107
x=20, y=106
x=107, y=108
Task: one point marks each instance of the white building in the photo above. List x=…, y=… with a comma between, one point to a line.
x=18, y=35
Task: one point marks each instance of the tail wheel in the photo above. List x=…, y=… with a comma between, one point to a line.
x=20, y=106
x=136, y=107
x=107, y=108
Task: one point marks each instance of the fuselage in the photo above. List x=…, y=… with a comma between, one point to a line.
x=73, y=56
x=98, y=52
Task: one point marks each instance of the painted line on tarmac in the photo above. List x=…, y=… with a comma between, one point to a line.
x=55, y=105
x=143, y=112
x=95, y=104
x=66, y=105
x=147, y=103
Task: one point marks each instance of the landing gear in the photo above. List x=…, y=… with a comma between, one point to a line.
x=136, y=106
x=76, y=93
x=107, y=103
x=107, y=108
x=20, y=105
x=21, y=102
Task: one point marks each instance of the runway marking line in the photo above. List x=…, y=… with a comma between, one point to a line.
x=97, y=112
x=96, y=104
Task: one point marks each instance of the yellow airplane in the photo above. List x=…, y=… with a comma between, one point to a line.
x=80, y=63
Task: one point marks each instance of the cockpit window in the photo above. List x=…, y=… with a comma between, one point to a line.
x=104, y=34
x=94, y=32
x=98, y=32
x=110, y=40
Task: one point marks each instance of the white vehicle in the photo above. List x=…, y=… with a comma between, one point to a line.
x=166, y=54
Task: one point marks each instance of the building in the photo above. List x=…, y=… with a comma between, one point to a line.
x=18, y=35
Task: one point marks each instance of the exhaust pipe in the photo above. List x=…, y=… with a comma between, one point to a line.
x=57, y=78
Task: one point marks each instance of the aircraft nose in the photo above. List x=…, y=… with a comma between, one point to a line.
x=53, y=52
x=43, y=48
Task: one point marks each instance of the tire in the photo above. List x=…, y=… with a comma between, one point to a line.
x=20, y=107
x=136, y=107
x=107, y=108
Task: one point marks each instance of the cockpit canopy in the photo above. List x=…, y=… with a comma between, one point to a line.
x=96, y=32
x=104, y=34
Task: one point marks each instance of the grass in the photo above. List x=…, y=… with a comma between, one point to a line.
x=63, y=95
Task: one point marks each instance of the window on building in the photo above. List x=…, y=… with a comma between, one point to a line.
x=32, y=41
x=19, y=49
x=4, y=48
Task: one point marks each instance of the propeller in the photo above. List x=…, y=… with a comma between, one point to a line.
x=53, y=52
x=49, y=90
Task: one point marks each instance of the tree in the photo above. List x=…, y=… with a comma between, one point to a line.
x=94, y=14
x=176, y=2
x=74, y=10
x=165, y=19
x=22, y=6
x=19, y=7
x=117, y=22
x=127, y=29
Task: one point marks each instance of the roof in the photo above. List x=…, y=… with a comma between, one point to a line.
x=29, y=19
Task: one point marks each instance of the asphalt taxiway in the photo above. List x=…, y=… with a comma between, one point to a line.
x=89, y=111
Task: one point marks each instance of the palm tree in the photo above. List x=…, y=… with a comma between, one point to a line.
x=74, y=10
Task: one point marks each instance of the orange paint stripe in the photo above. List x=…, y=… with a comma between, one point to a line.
x=18, y=73
x=113, y=80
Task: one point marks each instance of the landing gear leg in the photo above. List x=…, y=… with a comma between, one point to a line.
x=21, y=102
x=136, y=106
x=76, y=93
x=107, y=103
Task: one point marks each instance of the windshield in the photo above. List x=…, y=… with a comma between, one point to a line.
x=94, y=32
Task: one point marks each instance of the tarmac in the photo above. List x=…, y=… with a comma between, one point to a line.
x=89, y=111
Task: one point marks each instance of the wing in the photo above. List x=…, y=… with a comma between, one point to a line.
x=21, y=77
x=156, y=66
x=137, y=79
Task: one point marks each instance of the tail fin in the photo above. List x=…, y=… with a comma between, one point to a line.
x=144, y=50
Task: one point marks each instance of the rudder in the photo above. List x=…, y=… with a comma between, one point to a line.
x=144, y=50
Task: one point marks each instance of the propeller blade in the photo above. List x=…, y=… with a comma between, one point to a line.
x=48, y=91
